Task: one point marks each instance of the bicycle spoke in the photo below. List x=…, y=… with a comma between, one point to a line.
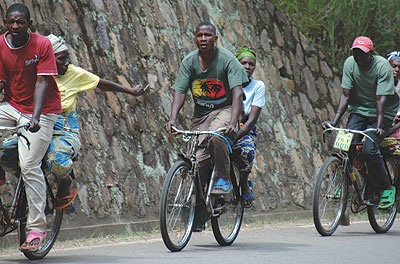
x=330, y=195
x=177, y=207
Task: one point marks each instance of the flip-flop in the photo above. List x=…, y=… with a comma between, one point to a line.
x=387, y=198
x=63, y=202
x=249, y=198
x=30, y=244
x=222, y=186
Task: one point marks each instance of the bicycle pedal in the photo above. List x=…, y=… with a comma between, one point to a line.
x=369, y=203
x=199, y=228
x=222, y=197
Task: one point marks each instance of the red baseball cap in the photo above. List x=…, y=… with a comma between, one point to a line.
x=363, y=43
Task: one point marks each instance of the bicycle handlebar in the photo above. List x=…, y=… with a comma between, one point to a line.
x=14, y=129
x=197, y=132
x=203, y=132
x=361, y=132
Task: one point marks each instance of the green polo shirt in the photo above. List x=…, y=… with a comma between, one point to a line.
x=366, y=84
x=211, y=88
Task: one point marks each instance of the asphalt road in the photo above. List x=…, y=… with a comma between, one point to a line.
x=272, y=243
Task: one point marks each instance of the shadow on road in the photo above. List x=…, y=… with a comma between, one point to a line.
x=262, y=246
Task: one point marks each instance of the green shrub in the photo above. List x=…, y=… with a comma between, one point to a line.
x=333, y=24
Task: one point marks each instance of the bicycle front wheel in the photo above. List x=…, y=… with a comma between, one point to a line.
x=177, y=206
x=226, y=225
x=381, y=220
x=330, y=196
x=54, y=220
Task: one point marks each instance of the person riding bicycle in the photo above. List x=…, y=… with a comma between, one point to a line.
x=372, y=101
x=391, y=143
x=253, y=102
x=65, y=144
x=27, y=64
x=215, y=78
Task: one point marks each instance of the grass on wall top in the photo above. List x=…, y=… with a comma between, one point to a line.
x=333, y=24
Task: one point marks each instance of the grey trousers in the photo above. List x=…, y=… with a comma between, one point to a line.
x=31, y=160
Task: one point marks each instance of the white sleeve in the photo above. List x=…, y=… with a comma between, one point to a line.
x=259, y=95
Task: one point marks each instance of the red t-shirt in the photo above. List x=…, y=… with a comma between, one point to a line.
x=19, y=68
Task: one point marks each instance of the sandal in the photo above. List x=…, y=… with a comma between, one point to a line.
x=33, y=241
x=387, y=198
x=222, y=186
x=248, y=199
x=63, y=202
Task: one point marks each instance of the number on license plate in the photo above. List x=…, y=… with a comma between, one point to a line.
x=343, y=140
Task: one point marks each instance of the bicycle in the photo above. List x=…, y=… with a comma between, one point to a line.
x=13, y=210
x=186, y=206
x=331, y=192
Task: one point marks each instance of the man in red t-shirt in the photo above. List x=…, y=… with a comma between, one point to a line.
x=27, y=64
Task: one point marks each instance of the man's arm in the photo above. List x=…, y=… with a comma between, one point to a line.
x=107, y=85
x=380, y=109
x=2, y=84
x=237, y=102
x=38, y=101
x=177, y=103
x=343, y=103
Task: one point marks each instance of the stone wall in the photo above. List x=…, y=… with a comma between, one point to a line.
x=125, y=153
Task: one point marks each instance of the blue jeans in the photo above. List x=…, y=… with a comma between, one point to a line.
x=378, y=179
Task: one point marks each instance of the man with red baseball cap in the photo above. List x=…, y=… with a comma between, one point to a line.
x=371, y=99
x=363, y=43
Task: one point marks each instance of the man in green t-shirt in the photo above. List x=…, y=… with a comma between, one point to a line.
x=372, y=101
x=215, y=78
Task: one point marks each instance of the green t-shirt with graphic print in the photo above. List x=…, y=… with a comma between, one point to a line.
x=366, y=84
x=211, y=88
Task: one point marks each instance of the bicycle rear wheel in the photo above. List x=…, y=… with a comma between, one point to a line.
x=54, y=220
x=226, y=225
x=381, y=220
x=330, y=196
x=177, y=206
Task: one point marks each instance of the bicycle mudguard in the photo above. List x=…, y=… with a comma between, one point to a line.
x=200, y=215
x=183, y=157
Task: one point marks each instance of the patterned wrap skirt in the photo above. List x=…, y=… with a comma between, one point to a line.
x=63, y=148
x=244, y=151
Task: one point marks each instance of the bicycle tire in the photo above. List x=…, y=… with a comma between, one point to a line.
x=226, y=225
x=54, y=220
x=330, y=196
x=177, y=206
x=381, y=220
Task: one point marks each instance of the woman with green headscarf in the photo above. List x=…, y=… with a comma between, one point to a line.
x=253, y=101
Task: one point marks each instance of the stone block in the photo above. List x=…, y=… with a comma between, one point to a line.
x=144, y=42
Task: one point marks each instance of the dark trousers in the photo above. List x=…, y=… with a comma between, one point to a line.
x=378, y=178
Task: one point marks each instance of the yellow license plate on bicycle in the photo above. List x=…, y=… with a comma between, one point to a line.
x=343, y=140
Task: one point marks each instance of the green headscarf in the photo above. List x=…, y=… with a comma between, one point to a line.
x=245, y=52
